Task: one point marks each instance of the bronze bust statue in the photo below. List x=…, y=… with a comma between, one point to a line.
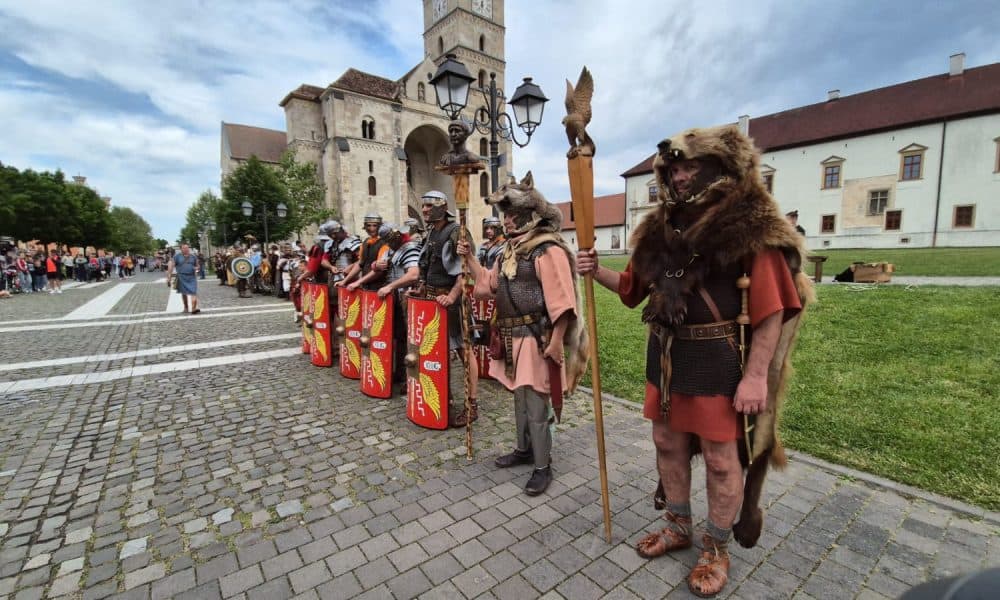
x=458, y=131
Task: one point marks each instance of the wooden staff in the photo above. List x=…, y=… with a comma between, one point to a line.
x=460, y=179
x=581, y=186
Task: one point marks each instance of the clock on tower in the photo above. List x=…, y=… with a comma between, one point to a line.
x=440, y=7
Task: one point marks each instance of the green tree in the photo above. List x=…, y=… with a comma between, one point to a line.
x=38, y=205
x=255, y=182
x=306, y=193
x=161, y=243
x=89, y=223
x=199, y=215
x=130, y=232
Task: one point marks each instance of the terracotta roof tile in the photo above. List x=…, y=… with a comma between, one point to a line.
x=365, y=83
x=608, y=211
x=645, y=166
x=244, y=141
x=932, y=99
x=303, y=92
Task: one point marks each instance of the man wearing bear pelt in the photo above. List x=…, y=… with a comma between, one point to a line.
x=721, y=267
x=536, y=320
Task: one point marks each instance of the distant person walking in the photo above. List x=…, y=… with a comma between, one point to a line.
x=53, y=266
x=186, y=264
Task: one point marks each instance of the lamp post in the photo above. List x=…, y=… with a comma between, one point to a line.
x=280, y=209
x=451, y=83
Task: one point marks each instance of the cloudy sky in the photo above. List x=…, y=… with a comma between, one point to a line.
x=131, y=93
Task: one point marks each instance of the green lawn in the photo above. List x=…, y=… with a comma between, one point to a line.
x=966, y=262
x=900, y=383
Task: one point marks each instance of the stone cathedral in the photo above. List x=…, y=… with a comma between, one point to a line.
x=376, y=140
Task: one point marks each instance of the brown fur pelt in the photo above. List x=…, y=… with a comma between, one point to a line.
x=731, y=220
x=543, y=226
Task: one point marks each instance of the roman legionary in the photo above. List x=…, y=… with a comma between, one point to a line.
x=534, y=286
x=415, y=231
x=372, y=249
x=493, y=242
x=402, y=269
x=440, y=280
x=721, y=268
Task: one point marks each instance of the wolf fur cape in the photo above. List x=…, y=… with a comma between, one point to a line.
x=543, y=221
x=726, y=223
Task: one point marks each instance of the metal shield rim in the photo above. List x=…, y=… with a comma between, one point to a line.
x=236, y=269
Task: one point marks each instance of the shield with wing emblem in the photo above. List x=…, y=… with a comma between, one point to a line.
x=376, y=344
x=427, y=363
x=305, y=289
x=349, y=312
x=321, y=350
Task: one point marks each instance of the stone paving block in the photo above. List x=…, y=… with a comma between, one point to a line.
x=318, y=550
x=133, y=547
x=206, y=591
x=542, y=575
x=172, y=585
x=255, y=553
x=376, y=572
x=65, y=585
x=240, y=581
x=471, y=552
x=144, y=576
x=502, y=565
x=474, y=581
x=216, y=568
x=292, y=539
x=291, y=507
x=281, y=564
x=441, y=568
x=410, y=584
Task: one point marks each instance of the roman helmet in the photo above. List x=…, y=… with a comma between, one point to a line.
x=373, y=218
x=438, y=202
x=391, y=235
x=493, y=222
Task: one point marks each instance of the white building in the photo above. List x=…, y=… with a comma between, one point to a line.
x=609, y=223
x=914, y=164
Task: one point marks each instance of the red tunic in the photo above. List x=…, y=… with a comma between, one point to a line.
x=772, y=289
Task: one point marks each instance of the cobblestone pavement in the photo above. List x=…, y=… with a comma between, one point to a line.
x=275, y=479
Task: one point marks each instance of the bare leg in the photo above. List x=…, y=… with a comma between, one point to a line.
x=724, y=480
x=673, y=461
x=184, y=299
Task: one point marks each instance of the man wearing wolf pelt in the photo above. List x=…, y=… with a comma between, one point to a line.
x=721, y=267
x=537, y=322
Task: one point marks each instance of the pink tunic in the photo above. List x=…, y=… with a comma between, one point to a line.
x=530, y=368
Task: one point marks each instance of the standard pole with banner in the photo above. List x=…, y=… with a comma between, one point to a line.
x=580, y=165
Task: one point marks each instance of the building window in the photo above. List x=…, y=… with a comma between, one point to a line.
x=364, y=129
x=484, y=185
x=769, y=182
x=911, y=162
x=831, y=176
x=440, y=45
x=831, y=172
x=877, y=201
x=483, y=151
x=421, y=92
x=996, y=167
x=482, y=43
x=911, y=167
x=371, y=185
x=965, y=216
x=371, y=166
x=893, y=220
x=828, y=224
x=653, y=191
x=368, y=129
x=482, y=79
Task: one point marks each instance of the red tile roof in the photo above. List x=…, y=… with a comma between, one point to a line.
x=608, y=212
x=354, y=80
x=931, y=99
x=265, y=144
x=303, y=92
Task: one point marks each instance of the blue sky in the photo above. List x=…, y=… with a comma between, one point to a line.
x=131, y=93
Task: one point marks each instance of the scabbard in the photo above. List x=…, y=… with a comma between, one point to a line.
x=555, y=387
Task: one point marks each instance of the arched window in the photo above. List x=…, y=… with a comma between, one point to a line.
x=440, y=45
x=371, y=166
x=482, y=78
x=364, y=129
x=421, y=92
x=482, y=43
x=484, y=185
x=483, y=147
x=371, y=129
x=371, y=185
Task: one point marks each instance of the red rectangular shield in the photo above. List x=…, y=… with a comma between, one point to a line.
x=377, y=344
x=322, y=350
x=482, y=314
x=427, y=363
x=349, y=310
x=307, y=304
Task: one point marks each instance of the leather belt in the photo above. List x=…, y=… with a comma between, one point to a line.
x=433, y=292
x=707, y=331
x=511, y=322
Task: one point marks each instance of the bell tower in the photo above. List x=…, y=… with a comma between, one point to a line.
x=471, y=29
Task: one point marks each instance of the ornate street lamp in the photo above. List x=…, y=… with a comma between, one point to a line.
x=452, y=82
x=280, y=209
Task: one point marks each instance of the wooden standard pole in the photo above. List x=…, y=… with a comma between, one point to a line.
x=460, y=179
x=581, y=185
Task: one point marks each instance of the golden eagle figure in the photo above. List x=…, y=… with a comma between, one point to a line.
x=578, y=113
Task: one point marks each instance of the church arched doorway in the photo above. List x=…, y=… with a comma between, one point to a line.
x=424, y=146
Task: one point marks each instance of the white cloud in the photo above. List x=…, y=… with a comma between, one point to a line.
x=659, y=66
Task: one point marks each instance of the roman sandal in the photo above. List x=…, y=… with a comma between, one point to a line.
x=675, y=536
x=711, y=573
